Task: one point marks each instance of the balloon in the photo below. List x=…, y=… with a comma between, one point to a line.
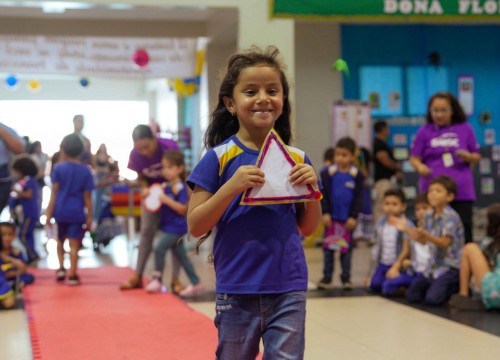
x=11, y=81
x=84, y=82
x=341, y=65
x=140, y=58
x=34, y=86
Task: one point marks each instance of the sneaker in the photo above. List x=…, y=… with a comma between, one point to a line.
x=347, y=285
x=325, y=284
x=154, y=286
x=192, y=290
x=176, y=286
x=60, y=275
x=73, y=280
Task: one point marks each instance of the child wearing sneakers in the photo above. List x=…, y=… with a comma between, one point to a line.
x=341, y=204
x=14, y=262
x=70, y=204
x=27, y=191
x=443, y=230
x=173, y=224
x=391, y=246
x=419, y=253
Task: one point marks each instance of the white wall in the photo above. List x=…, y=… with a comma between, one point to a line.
x=317, y=85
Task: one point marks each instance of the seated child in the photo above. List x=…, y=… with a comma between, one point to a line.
x=419, y=254
x=7, y=299
x=14, y=261
x=391, y=245
x=483, y=263
x=443, y=230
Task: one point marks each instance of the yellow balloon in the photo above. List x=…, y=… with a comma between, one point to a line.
x=34, y=85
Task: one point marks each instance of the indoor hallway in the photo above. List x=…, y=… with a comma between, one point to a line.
x=340, y=324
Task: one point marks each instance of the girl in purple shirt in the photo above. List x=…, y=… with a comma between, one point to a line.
x=447, y=145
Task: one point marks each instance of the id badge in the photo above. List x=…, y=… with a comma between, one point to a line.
x=447, y=160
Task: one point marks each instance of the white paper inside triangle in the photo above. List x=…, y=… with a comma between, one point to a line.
x=277, y=169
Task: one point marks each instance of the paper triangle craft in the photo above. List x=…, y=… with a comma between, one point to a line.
x=276, y=162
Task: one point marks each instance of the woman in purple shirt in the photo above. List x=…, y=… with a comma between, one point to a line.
x=447, y=145
x=145, y=159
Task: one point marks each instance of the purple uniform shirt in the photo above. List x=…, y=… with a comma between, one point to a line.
x=150, y=167
x=432, y=142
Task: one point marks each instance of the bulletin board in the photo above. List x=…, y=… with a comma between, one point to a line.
x=353, y=119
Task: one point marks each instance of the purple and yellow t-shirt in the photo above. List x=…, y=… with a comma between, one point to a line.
x=257, y=249
x=432, y=142
x=170, y=221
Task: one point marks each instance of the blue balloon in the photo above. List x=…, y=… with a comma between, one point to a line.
x=11, y=81
x=84, y=82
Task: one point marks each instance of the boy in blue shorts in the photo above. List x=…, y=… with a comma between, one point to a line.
x=71, y=204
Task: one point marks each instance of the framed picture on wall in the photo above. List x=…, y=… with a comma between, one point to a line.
x=466, y=93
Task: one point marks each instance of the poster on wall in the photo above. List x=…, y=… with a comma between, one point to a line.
x=400, y=139
x=485, y=166
x=466, y=93
x=352, y=118
x=487, y=186
x=489, y=136
x=495, y=153
x=394, y=100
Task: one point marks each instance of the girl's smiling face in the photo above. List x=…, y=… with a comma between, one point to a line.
x=257, y=98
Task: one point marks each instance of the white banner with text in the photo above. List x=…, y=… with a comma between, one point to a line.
x=102, y=56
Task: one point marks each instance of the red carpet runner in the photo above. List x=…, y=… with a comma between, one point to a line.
x=97, y=321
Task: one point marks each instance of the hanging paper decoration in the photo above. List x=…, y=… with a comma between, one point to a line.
x=140, y=58
x=341, y=66
x=84, y=82
x=11, y=81
x=189, y=86
x=34, y=86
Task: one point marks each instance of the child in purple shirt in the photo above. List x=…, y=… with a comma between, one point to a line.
x=27, y=190
x=71, y=204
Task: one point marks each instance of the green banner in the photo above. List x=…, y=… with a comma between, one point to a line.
x=387, y=10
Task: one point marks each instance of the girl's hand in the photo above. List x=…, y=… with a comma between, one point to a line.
x=423, y=170
x=245, y=177
x=327, y=221
x=302, y=174
x=350, y=224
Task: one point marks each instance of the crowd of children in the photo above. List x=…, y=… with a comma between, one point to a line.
x=427, y=262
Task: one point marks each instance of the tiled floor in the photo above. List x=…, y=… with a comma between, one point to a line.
x=340, y=325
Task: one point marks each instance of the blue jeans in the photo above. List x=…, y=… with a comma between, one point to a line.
x=404, y=280
x=171, y=241
x=378, y=278
x=433, y=291
x=242, y=320
x=345, y=262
